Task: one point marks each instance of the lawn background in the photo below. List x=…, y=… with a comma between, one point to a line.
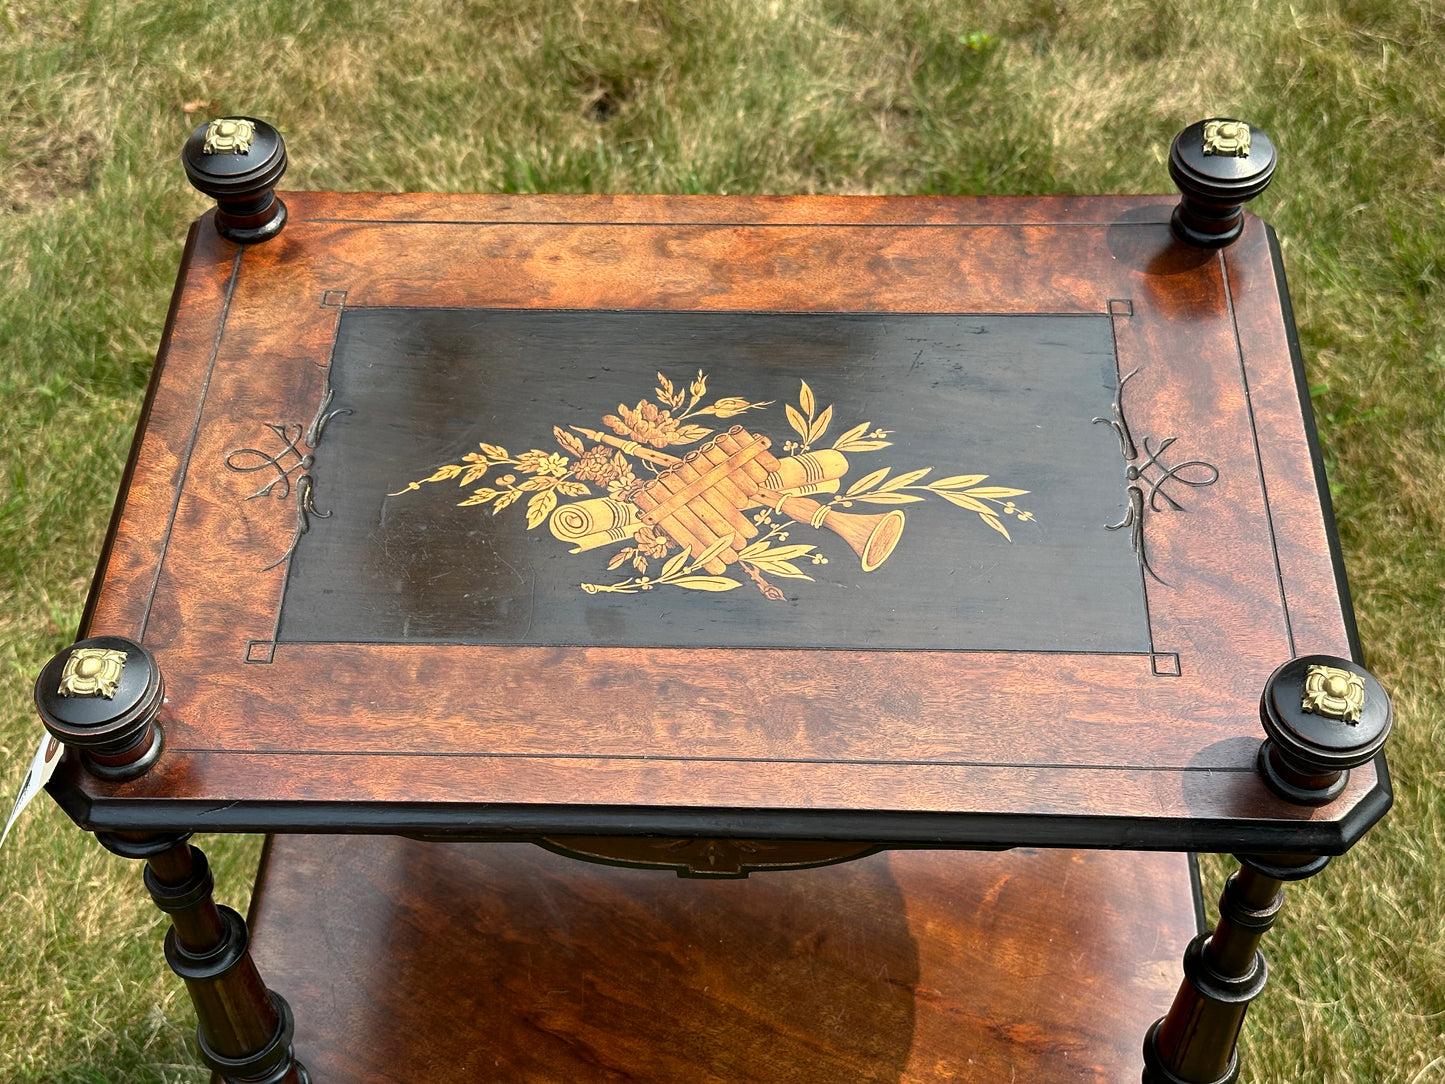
x=844, y=96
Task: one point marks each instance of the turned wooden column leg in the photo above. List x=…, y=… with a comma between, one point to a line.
x=102, y=698
x=1323, y=716
x=1224, y=970
x=244, y=1030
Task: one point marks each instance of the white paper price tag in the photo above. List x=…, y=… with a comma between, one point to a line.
x=42, y=767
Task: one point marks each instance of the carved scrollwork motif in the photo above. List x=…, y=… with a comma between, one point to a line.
x=291, y=463
x=707, y=858
x=250, y=460
x=1148, y=475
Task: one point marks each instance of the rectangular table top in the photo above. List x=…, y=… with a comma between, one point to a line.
x=968, y=521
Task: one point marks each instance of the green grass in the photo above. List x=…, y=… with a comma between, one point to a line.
x=724, y=96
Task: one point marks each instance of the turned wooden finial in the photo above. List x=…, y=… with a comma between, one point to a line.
x=101, y=697
x=1324, y=715
x=237, y=162
x=1218, y=165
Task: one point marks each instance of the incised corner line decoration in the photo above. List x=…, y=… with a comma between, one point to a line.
x=1149, y=471
x=721, y=507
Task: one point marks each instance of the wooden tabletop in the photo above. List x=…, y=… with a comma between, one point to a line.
x=963, y=521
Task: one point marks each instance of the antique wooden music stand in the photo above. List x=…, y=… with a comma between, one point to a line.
x=723, y=535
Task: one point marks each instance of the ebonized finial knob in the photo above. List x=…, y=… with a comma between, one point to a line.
x=237, y=161
x=1324, y=715
x=101, y=697
x=1218, y=165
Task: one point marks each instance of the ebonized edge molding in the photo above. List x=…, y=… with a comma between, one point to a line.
x=1312, y=438
x=500, y=823
x=142, y=426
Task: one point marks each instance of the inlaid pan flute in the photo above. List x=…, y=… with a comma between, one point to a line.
x=702, y=498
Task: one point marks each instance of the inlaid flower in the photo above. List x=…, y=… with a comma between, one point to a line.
x=539, y=462
x=650, y=543
x=645, y=424
x=596, y=465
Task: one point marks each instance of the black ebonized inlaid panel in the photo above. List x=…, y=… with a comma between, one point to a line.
x=656, y=478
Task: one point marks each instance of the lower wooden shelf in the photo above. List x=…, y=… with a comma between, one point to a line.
x=447, y=962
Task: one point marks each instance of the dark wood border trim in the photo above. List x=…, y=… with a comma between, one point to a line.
x=1322, y=482
x=497, y=823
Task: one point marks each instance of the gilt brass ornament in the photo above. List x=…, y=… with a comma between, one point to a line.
x=92, y=671
x=1335, y=693
x=229, y=135
x=1228, y=138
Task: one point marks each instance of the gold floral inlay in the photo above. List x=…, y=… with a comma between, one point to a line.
x=92, y=671
x=1229, y=138
x=1335, y=693
x=689, y=506
x=229, y=135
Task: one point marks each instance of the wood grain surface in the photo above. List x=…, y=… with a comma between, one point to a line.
x=1144, y=747
x=456, y=962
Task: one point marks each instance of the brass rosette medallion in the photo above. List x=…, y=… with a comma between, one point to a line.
x=1335, y=693
x=229, y=135
x=92, y=671
x=1227, y=138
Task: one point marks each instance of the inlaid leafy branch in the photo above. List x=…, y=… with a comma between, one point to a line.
x=854, y=439
x=812, y=425
x=961, y=490
x=778, y=560
x=549, y=476
x=677, y=572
